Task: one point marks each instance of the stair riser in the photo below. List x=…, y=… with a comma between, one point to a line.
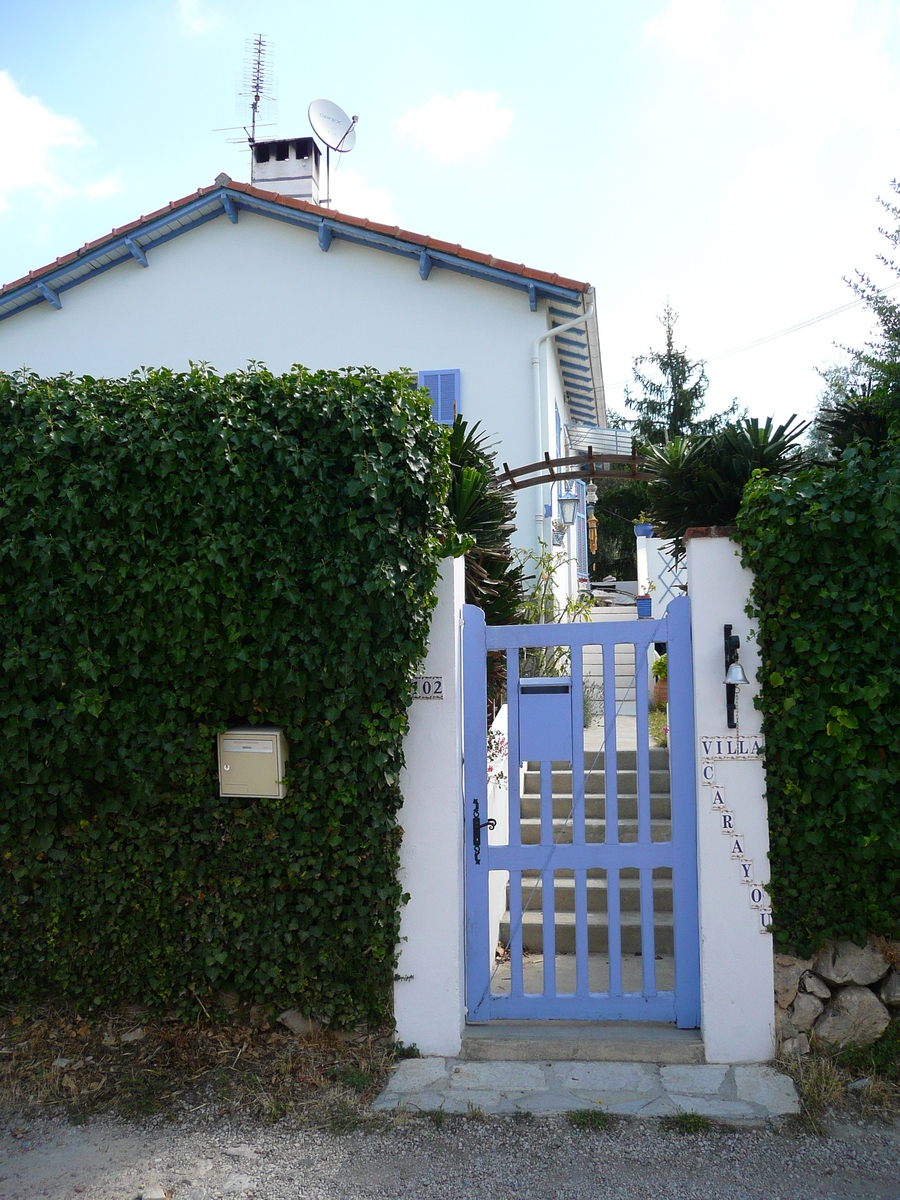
x=595, y=782
x=595, y=832
x=626, y=760
x=595, y=807
x=597, y=899
x=598, y=939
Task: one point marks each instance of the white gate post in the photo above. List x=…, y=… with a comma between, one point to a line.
x=429, y=992
x=736, y=962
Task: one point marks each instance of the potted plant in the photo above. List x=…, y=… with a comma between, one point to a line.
x=660, y=671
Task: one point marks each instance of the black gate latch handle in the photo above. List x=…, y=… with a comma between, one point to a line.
x=477, y=826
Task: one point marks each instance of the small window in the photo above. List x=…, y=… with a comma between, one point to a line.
x=261, y=153
x=444, y=388
x=281, y=151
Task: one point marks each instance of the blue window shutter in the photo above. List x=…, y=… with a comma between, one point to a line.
x=444, y=388
x=581, y=546
x=558, y=435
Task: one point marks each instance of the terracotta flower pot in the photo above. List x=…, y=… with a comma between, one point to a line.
x=661, y=691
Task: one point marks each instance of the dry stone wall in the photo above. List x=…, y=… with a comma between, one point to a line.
x=843, y=996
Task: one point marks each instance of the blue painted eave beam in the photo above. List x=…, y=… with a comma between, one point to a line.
x=426, y=262
x=49, y=295
x=231, y=209
x=326, y=236
x=137, y=252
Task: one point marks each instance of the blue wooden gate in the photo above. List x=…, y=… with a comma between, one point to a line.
x=601, y=916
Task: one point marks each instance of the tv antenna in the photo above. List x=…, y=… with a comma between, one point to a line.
x=257, y=87
x=338, y=131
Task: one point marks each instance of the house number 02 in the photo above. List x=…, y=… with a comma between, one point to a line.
x=428, y=687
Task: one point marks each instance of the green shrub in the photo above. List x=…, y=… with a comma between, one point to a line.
x=825, y=549
x=179, y=553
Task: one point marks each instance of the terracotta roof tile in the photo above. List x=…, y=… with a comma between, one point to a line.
x=330, y=214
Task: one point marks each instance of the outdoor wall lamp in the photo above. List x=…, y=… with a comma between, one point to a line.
x=568, y=506
x=734, y=675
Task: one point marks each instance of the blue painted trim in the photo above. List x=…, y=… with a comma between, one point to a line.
x=532, y=297
x=367, y=237
x=426, y=262
x=49, y=295
x=55, y=278
x=137, y=252
x=116, y=262
x=683, y=779
x=215, y=202
x=231, y=209
x=597, y=1006
x=478, y=952
x=326, y=236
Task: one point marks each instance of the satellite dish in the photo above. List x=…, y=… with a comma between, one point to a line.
x=332, y=125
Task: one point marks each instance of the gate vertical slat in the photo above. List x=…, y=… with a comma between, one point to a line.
x=684, y=814
x=517, y=985
x=582, y=979
x=548, y=900
x=577, y=759
x=546, y=803
x=478, y=949
x=614, y=931
x=648, y=934
x=611, y=803
x=512, y=739
x=643, y=746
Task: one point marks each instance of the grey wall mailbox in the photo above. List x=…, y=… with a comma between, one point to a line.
x=251, y=762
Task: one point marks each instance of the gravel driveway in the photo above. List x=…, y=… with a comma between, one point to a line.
x=197, y=1159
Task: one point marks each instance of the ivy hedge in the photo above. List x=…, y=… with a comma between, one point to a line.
x=825, y=550
x=179, y=553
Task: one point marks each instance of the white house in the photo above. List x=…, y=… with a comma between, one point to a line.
x=236, y=272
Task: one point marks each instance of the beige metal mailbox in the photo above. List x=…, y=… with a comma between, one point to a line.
x=251, y=762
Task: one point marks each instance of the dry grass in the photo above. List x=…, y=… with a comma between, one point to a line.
x=864, y=1083
x=52, y=1060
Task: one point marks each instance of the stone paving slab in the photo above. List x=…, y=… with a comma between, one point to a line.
x=740, y=1093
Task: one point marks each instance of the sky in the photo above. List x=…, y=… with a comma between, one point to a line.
x=722, y=156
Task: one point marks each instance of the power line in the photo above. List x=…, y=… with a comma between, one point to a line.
x=771, y=337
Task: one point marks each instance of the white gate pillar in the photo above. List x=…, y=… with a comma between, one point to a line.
x=429, y=992
x=736, y=962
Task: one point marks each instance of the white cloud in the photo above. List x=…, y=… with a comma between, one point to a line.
x=31, y=139
x=29, y=132
x=687, y=26
x=451, y=130
x=197, y=17
x=109, y=185
x=352, y=193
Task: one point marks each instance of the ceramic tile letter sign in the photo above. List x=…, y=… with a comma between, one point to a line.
x=732, y=746
x=727, y=823
x=765, y=919
x=708, y=773
x=428, y=687
x=737, y=847
x=718, y=798
x=746, y=865
x=758, y=898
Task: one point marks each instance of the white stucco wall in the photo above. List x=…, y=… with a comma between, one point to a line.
x=737, y=984
x=263, y=290
x=429, y=994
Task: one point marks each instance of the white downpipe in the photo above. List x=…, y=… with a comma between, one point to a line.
x=543, y=526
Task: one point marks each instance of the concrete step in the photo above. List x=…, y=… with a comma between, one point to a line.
x=595, y=806
x=598, y=932
x=597, y=895
x=595, y=781
x=582, y=1041
x=594, y=830
x=626, y=760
